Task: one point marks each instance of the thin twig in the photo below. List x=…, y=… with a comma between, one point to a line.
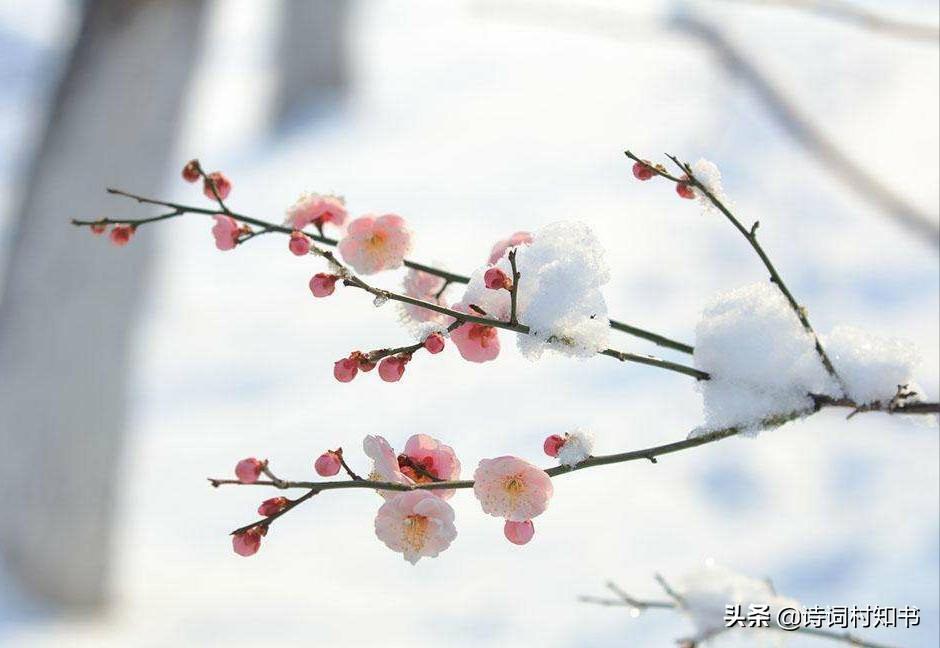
x=449, y=277
x=514, y=289
x=751, y=236
x=626, y=600
x=813, y=138
x=649, y=454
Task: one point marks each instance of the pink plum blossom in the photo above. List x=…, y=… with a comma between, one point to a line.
x=416, y=524
x=476, y=342
x=434, y=343
x=423, y=460
x=499, y=249
x=375, y=243
x=191, y=171
x=512, y=488
x=426, y=287
x=392, y=368
x=425, y=457
x=496, y=279
x=299, y=243
x=316, y=209
x=247, y=543
x=327, y=464
x=98, y=228
x=384, y=463
x=553, y=444
x=225, y=231
x=684, y=189
x=223, y=185
x=273, y=506
x=643, y=171
x=345, y=369
x=121, y=234
x=519, y=533
x=323, y=284
x=248, y=470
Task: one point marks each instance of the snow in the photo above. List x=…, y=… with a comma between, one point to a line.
x=706, y=172
x=761, y=360
x=872, y=367
x=578, y=446
x=559, y=297
x=706, y=592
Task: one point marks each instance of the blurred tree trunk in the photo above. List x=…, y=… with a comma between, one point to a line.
x=313, y=58
x=69, y=301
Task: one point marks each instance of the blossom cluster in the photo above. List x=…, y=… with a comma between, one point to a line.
x=415, y=518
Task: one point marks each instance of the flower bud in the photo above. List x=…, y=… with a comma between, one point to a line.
x=248, y=470
x=327, y=464
x=299, y=243
x=434, y=343
x=519, y=533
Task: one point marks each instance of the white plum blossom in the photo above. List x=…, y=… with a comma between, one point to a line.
x=578, y=446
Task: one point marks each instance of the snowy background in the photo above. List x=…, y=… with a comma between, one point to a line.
x=475, y=119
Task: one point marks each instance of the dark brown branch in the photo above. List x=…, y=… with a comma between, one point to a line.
x=449, y=277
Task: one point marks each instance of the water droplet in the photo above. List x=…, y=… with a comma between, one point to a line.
x=379, y=300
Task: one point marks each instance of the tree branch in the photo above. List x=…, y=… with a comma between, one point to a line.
x=449, y=277
x=625, y=600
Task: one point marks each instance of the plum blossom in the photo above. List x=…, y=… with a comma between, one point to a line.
x=643, y=171
x=552, y=444
x=425, y=457
x=423, y=460
x=426, y=287
x=316, y=209
x=475, y=342
x=223, y=186
x=559, y=297
x=434, y=343
x=327, y=464
x=500, y=248
x=273, y=506
x=519, y=533
x=512, y=488
x=416, y=524
x=248, y=470
x=190, y=172
x=392, y=368
x=299, y=244
x=225, y=231
x=373, y=244
x=247, y=543
x=121, y=234
x=323, y=284
x=496, y=279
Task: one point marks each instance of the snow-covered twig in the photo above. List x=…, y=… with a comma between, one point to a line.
x=802, y=128
x=750, y=235
x=650, y=454
x=267, y=227
x=638, y=605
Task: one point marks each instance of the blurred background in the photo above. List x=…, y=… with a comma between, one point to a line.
x=127, y=376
